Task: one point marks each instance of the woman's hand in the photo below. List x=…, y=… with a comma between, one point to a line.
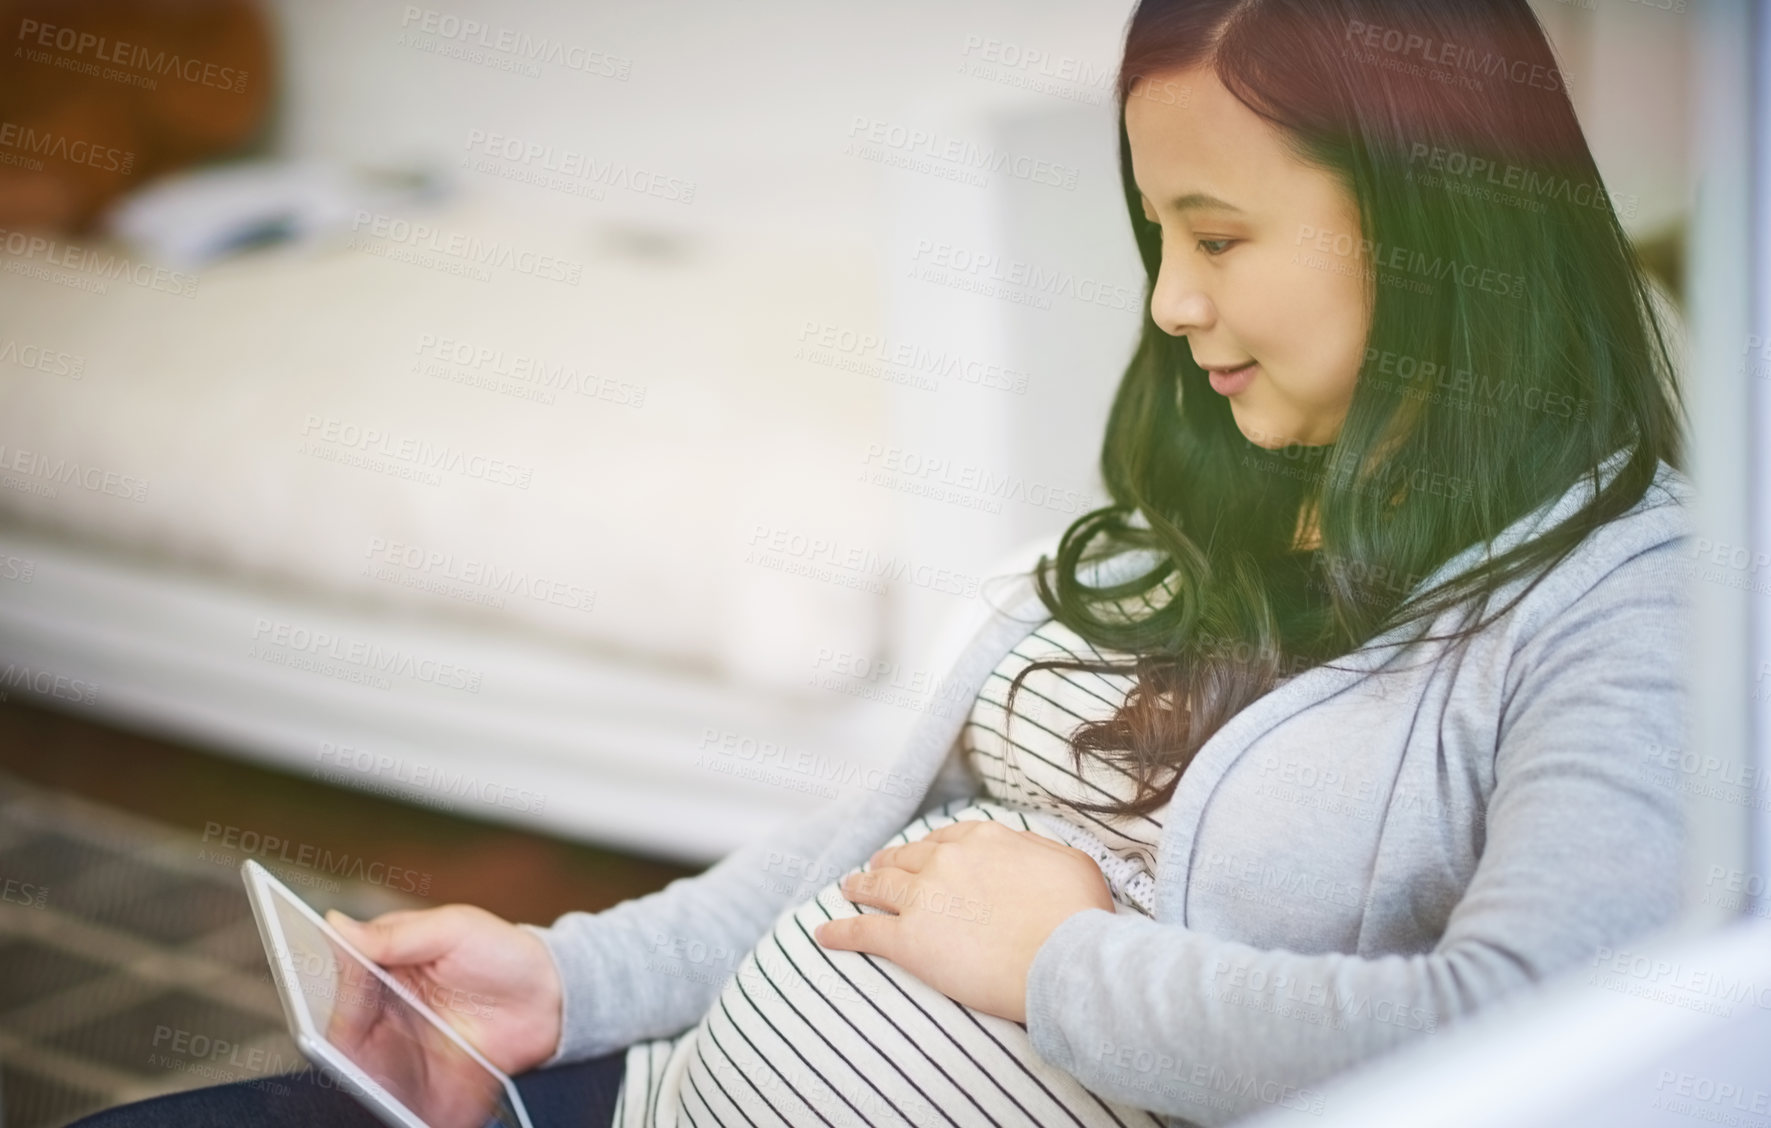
x=494, y=982
x=445, y=1090
x=974, y=900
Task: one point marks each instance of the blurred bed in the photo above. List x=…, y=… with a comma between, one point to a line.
x=532, y=529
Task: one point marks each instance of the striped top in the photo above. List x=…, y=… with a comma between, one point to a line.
x=803, y=1035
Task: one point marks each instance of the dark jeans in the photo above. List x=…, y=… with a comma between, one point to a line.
x=578, y=1095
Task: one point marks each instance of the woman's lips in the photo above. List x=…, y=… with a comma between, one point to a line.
x=1235, y=381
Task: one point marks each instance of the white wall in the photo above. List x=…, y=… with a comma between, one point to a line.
x=1629, y=65
x=753, y=101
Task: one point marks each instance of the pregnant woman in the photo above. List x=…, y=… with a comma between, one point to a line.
x=1344, y=721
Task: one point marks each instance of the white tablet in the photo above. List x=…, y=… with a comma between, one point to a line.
x=367, y=1030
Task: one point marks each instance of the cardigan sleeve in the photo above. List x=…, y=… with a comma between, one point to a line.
x=1582, y=857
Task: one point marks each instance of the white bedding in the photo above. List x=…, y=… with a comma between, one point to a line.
x=681, y=426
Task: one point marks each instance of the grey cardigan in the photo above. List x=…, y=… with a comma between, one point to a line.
x=1364, y=855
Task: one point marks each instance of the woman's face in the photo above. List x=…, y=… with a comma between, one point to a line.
x=1242, y=277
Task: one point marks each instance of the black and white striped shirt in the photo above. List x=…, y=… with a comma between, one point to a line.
x=804, y=1035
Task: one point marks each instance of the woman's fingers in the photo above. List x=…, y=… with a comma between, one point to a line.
x=863, y=932
x=886, y=888
x=409, y=937
x=914, y=856
x=911, y=856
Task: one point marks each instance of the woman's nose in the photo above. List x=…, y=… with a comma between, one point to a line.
x=1178, y=304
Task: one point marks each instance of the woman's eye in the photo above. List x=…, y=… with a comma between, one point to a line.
x=1215, y=247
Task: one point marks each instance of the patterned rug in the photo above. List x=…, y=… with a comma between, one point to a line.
x=129, y=962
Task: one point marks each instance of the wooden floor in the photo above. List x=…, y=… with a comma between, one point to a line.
x=519, y=875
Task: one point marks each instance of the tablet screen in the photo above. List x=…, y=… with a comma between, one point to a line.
x=384, y=1035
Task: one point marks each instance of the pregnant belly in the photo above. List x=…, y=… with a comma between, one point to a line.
x=806, y=1035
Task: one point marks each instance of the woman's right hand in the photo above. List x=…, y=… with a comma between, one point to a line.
x=495, y=983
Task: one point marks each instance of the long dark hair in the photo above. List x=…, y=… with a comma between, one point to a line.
x=1513, y=347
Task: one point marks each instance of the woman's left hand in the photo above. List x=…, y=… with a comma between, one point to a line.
x=973, y=902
